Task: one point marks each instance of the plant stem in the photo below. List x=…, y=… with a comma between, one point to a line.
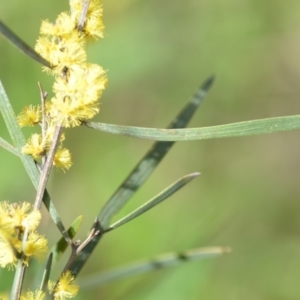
x=20, y=271
x=43, y=96
x=47, y=168
x=18, y=281
x=77, y=247
x=85, y=8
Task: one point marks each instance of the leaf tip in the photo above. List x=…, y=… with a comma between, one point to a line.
x=208, y=83
x=195, y=174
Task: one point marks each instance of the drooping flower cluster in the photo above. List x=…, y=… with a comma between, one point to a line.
x=78, y=84
x=14, y=220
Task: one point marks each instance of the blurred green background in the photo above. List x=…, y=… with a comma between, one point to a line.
x=247, y=197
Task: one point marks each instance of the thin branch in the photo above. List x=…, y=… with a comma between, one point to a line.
x=43, y=96
x=94, y=232
x=78, y=247
x=18, y=281
x=47, y=168
x=85, y=8
x=21, y=268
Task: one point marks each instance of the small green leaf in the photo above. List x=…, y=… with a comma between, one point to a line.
x=159, y=262
x=21, y=45
x=6, y=145
x=166, y=193
x=246, y=128
x=59, y=248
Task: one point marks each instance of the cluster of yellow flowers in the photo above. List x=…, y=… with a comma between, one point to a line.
x=78, y=84
x=77, y=88
x=65, y=289
x=14, y=220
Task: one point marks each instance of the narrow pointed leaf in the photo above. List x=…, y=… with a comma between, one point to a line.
x=60, y=247
x=141, y=173
x=149, y=162
x=21, y=45
x=246, y=128
x=7, y=146
x=170, y=190
x=30, y=167
x=46, y=274
x=157, y=263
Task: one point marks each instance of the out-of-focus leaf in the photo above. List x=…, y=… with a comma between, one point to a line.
x=159, y=262
x=140, y=173
x=19, y=141
x=21, y=45
x=166, y=193
x=245, y=128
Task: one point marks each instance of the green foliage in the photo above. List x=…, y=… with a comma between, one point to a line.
x=248, y=189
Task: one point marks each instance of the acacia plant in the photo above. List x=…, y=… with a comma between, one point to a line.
x=74, y=101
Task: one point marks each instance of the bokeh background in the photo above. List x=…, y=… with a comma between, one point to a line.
x=247, y=197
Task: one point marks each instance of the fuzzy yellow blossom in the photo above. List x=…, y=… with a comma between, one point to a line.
x=93, y=26
x=61, y=53
x=14, y=218
x=62, y=159
x=83, y=86
x=77, y=97
x=17, y=216
x=4, y=218
x=8, y=252
x=22, y=215
x=36, y=295
x=66, y=288
x=35, y=146
x=36, y=246
x=30, y=116
x=63, y=26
